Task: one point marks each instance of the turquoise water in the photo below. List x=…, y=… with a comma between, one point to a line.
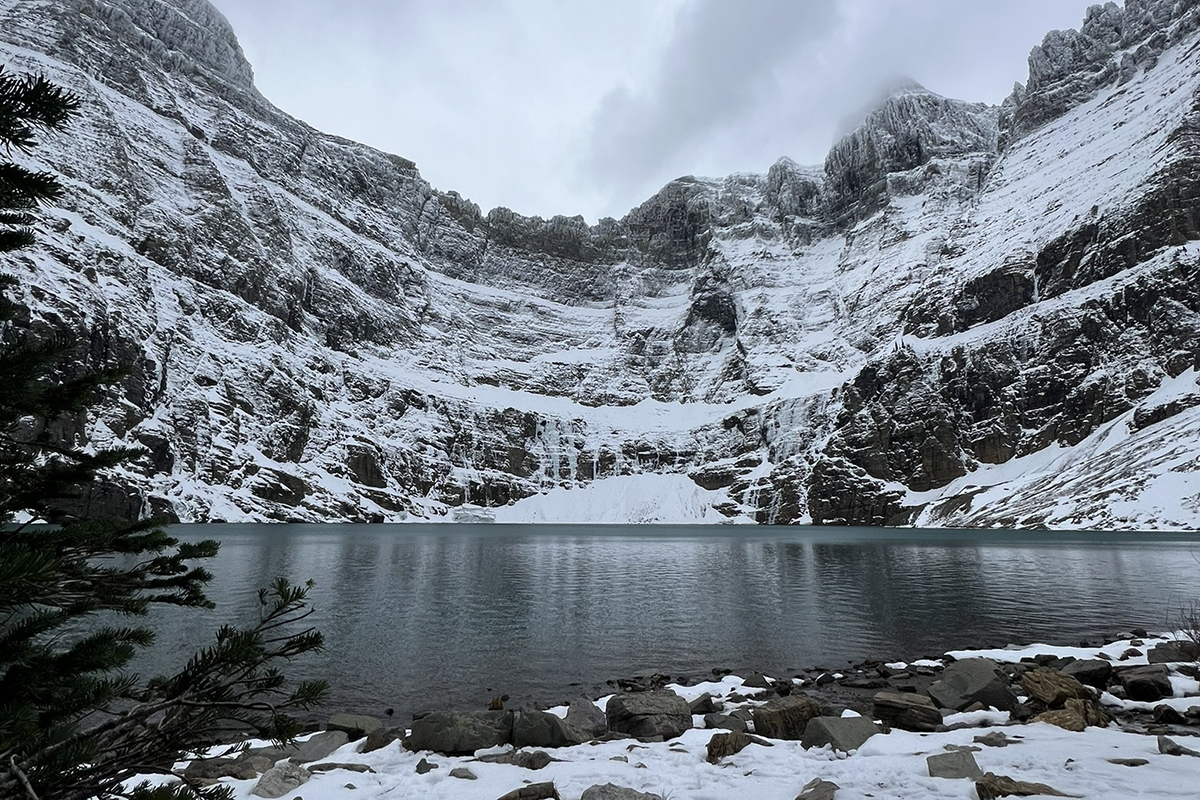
x=423, y=616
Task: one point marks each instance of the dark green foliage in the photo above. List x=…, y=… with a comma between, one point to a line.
x=27, y=103
x=73, y=725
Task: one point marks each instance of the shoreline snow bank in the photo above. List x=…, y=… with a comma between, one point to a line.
x=1107, y=762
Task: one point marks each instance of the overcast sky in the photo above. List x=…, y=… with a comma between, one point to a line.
x=590, y=106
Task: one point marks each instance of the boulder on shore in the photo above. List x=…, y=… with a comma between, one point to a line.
x=1174, y=651
x=785, y=718
x=841, y=733
x=532, y=728
x=907, y=711
x=1052, y=688
x=1147, y=684
x=460, y=732
x=973, y=680
x=585, y=717
x=649, y=714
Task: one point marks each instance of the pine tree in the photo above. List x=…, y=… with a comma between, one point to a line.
x=27, y=103
x=73, y=726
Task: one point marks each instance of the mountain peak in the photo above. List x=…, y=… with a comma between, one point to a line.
x=187, y=36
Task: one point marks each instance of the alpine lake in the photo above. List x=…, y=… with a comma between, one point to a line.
x=421, y=616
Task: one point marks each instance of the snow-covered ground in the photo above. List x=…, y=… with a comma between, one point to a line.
x=889, y=765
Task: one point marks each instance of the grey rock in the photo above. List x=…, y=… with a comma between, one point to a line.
x=537, y=759
x=757, y=681
x=281, y=779
x=379, y=739
x=534, y=791
x=1146, y=684
x=584, y=716
x=610, y=791
x=1052, y=688
x=973, y=680
x=996, y=739
x=721, y=745
x=257, y=762
x=957, y=764
x=842, y=733
x=647, y=714
x=531, y=728
x=1092, y=672
x=785, y=718
x=463, y=773
x=724, y=721
x=425, y=766
x=907, y=711
x=1128, y=762
x=356, y=726
x=1168, y=747
x=318, y=746
x=992, y=786
x=214, y=768
x=329, y=766
x=460, y=732
x=818, y=789
x=703, y=705
x=1174, y=652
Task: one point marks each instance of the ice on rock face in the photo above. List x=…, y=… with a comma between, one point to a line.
x=961, y=302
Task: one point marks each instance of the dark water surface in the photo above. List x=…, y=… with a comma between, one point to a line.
x=424, y=616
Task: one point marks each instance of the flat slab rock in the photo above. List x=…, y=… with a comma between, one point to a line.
x=534, y=791
x=992, y=786
x=843, y=734
x=610, y=791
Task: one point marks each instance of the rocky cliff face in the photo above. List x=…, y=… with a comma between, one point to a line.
x=967, y=315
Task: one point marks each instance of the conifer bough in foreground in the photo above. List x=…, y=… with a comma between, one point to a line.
x=72, y=725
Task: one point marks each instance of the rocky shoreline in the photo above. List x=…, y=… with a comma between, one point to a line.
x=1143, y=689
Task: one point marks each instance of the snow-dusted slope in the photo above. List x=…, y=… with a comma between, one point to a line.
x=967, y=315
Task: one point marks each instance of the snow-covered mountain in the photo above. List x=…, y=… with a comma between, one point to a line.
x=969, y=315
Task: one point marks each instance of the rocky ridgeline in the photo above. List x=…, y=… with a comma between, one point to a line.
x=313, y=332
x=819, y=709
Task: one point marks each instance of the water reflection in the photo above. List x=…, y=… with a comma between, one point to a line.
x=420, y=615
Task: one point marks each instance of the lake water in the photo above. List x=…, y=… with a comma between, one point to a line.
x=432, y=616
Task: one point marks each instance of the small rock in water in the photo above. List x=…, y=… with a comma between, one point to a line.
x=424, y=767
x=463, y=773
x=1129, y=762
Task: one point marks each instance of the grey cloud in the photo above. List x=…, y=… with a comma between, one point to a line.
x=711, y=72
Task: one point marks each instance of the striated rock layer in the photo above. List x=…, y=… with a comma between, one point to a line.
x=969, y=315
